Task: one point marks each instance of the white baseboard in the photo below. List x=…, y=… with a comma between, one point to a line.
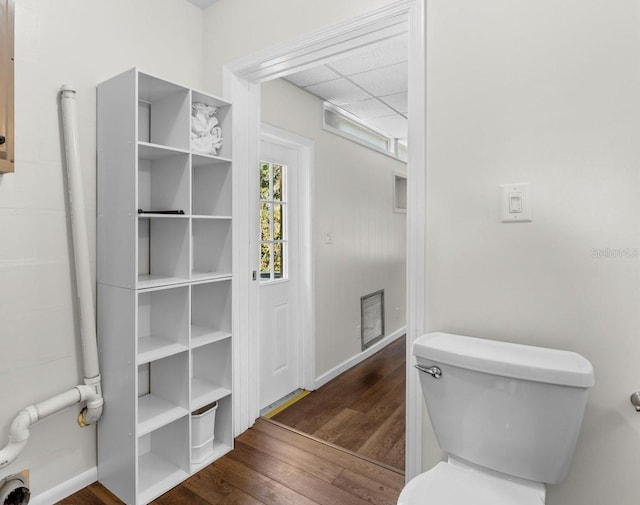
x=61, y=491
x=354, y=360
x=90, y=476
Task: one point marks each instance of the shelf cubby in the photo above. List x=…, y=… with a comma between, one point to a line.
x=163, y=392
x=163, y=112
x=223, y=433
x=211, y=186
x=163, y=459
x=210, y=312
x=211, y=373
x=163, y=251
x=211, y=248
x=163, y=179
x=163, y=323
x=224, y=119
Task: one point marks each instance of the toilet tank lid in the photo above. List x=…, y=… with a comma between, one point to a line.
x=507, y=359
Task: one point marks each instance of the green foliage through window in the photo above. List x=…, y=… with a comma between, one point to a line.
x=272, y=220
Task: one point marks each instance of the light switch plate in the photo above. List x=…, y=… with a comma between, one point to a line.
x=516, y=202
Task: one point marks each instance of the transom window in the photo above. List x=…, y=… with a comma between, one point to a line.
x=341, y=122
x=273, y=220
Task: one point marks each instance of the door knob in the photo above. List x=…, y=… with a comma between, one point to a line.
x=635, y=400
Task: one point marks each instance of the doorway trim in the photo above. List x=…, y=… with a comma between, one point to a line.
x=241, y=81
x=305, y=149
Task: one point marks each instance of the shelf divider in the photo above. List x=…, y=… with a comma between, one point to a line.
x=204, y=392
x=201, y=335
x=155, y=412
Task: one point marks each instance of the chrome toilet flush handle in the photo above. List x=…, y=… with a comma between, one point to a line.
x=434, y=371
x=635, y=400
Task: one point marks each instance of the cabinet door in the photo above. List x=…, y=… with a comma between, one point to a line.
x=6, y=86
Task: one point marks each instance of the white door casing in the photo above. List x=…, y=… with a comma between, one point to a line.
x=241, y=86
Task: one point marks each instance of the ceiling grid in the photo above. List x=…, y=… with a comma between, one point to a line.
x=370, y=84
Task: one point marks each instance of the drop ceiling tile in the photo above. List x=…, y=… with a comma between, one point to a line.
x=399, y=101
x=379, y=55
x=384, y=81
x=339, y=91
x=311, y=76
x=367, y=109
x=395, y=126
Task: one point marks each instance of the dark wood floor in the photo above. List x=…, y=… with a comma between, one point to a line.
x=273, y=465
x=362, y=410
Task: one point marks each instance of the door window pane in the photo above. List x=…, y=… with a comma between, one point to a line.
x=278, y=183
x=278, y=260
x=273, y=220
x=265, y=222
x=264, y=181
x=278, y=223
x=265, y=261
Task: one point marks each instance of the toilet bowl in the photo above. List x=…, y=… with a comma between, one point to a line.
x=507, y=415
x=457, y=483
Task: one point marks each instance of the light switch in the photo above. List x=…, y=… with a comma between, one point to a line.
x=516, y=202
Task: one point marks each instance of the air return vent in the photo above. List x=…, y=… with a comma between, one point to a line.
x=372, y=318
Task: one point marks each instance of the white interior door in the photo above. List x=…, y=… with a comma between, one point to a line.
x=278, y=273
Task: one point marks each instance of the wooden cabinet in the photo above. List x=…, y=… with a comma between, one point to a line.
x=164, y=285
x=7, y=134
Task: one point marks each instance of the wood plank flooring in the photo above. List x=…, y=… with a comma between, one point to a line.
x=273, y=465
x=362, y=410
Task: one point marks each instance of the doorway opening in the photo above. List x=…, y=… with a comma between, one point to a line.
x=358, y=241
x=242, y=86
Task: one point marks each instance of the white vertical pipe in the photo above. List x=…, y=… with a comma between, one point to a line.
x=91, y=391
x=78, y=213
x=79, y=231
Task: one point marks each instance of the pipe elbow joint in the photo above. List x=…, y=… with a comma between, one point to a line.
x=90, y=414
x=18, y=435
x=93, y=411
x=19, y=430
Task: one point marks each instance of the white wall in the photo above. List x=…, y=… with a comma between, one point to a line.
x=353, y=201
x=546, y=92
x=80, y=43
x=238, y=28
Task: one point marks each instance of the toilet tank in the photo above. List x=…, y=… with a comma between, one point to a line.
x=512, y=408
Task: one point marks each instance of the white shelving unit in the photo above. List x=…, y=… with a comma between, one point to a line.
x=164, y=285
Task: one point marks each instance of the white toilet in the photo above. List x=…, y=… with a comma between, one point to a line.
x=507, y=415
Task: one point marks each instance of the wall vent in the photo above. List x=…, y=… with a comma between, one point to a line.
x=372, y=318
